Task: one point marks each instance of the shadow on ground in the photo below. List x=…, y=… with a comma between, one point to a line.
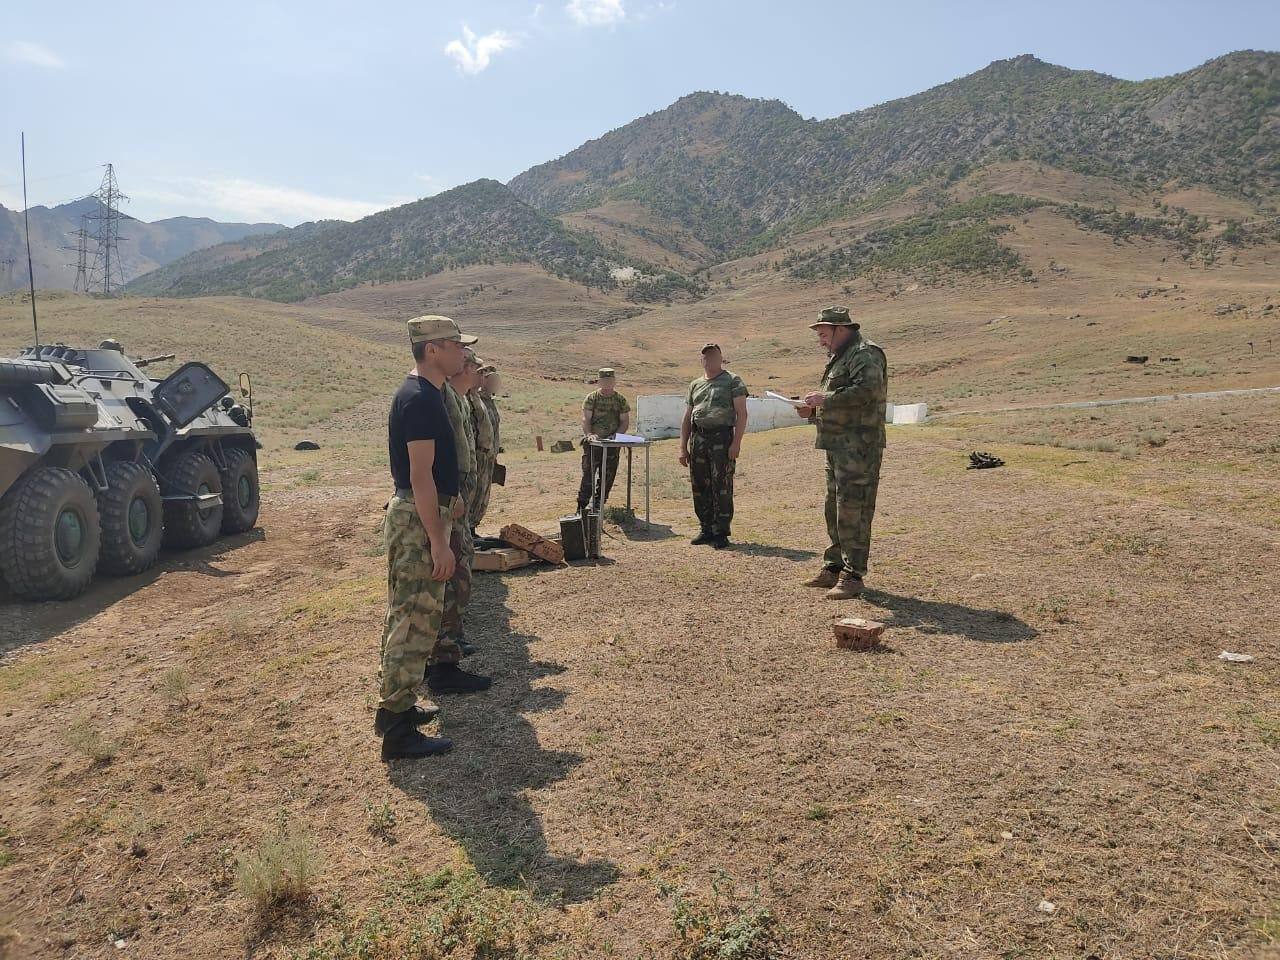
x=645, y=532
x=929, y=616
x=769, y=550
x=478, y=793
x=25, y=621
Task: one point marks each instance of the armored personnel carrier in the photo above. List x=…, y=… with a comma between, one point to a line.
x=100, y=465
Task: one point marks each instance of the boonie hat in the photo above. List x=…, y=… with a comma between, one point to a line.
x=605, y=372
x=834, y=317
x=428, y=328
x=710, y=346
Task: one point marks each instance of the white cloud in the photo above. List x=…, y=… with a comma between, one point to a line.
x=24, y=51
x=233, y=198
x=472, y=54
x=596, y=13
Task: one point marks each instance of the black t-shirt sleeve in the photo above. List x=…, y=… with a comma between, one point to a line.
x=423, y=417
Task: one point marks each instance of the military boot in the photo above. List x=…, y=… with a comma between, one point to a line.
x=706, y=536
x=403, y=742
x=449, y=678
x=720, y=541
x=384, y=720
x=849, y=587
x=825, y=578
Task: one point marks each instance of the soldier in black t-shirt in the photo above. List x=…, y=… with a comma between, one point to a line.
x=424, y=468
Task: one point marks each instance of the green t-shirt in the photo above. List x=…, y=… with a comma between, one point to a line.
x=605, y=413
x=712, y=400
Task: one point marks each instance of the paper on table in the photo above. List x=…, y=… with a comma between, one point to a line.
x=778, y=396
x=627, y=438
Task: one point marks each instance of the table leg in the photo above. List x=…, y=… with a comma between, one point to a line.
x=646, y=484
x=628, y=479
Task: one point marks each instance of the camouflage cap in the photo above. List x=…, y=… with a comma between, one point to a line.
x=711, y=346
x=834, y=317
x=469, y=356
x=606, y=373
x=428, y=328
x=488, y=369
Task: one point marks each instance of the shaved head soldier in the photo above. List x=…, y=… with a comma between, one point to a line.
x=848, y=409
x=424, y=468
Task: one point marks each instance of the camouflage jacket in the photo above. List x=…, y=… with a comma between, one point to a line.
x=605, y=412
x=491, y=405
x=482, y=424
x=711, y=400
x=463, y=435
x=856, y=385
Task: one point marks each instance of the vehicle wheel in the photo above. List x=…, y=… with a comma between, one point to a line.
x=239, y=491
x=49, y=535
x=185, y=524
x=132, y=519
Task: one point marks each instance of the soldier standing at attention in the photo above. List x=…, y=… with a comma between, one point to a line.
x=490, y=384
x=445, y=676
x=424, y=468
x=849, y=410
x=715, y=418
x=604, y=413
x=486, y=447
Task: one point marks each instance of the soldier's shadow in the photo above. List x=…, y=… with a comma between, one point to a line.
x=478, y=794
x=931, y=616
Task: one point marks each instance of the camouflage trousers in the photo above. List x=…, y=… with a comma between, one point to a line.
x=414, y=605
x=711, y=476
x=604, y=456
x=852, y=479
x=457, y=593
x=484, y=483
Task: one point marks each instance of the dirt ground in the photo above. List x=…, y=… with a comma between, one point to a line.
x=1048, y=759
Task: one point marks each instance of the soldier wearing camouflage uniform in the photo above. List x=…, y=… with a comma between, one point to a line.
x=604, y=413
x=490, y=384
x=849, y=409
x=486, y=450
x=424, y=469
x=715, y=418
x=446, y=677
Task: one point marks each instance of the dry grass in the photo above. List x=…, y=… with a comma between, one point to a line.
x=280, y=871
x=675, y=761
x=84, y=738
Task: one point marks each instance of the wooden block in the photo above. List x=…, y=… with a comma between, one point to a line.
x=539, y=546
x=854, y=633
x=504, y=558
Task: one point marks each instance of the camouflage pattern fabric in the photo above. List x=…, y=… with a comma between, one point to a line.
x=606, y=412
x=853, y=475
x=856, y=386
x=607, y=458
x=464, y=437
x=486, y=457
x=414, y=606
x=711, y=476
x=457, y=593
x=711, y=400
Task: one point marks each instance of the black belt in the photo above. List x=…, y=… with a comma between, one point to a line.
x=701, y=429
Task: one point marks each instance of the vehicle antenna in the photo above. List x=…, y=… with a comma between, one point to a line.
x=26, y=228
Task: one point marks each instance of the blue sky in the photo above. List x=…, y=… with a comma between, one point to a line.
x=293, y=111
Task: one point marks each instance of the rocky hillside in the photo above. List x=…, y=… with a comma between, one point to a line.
x=481, y=222
x=143, y=248
x=728, y=168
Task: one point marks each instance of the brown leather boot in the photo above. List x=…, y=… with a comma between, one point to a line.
x=826, y=578
x=848, y=588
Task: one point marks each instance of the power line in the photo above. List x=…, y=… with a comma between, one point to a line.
x=107, y=268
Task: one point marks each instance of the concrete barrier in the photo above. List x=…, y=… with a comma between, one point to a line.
x=658, y=416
